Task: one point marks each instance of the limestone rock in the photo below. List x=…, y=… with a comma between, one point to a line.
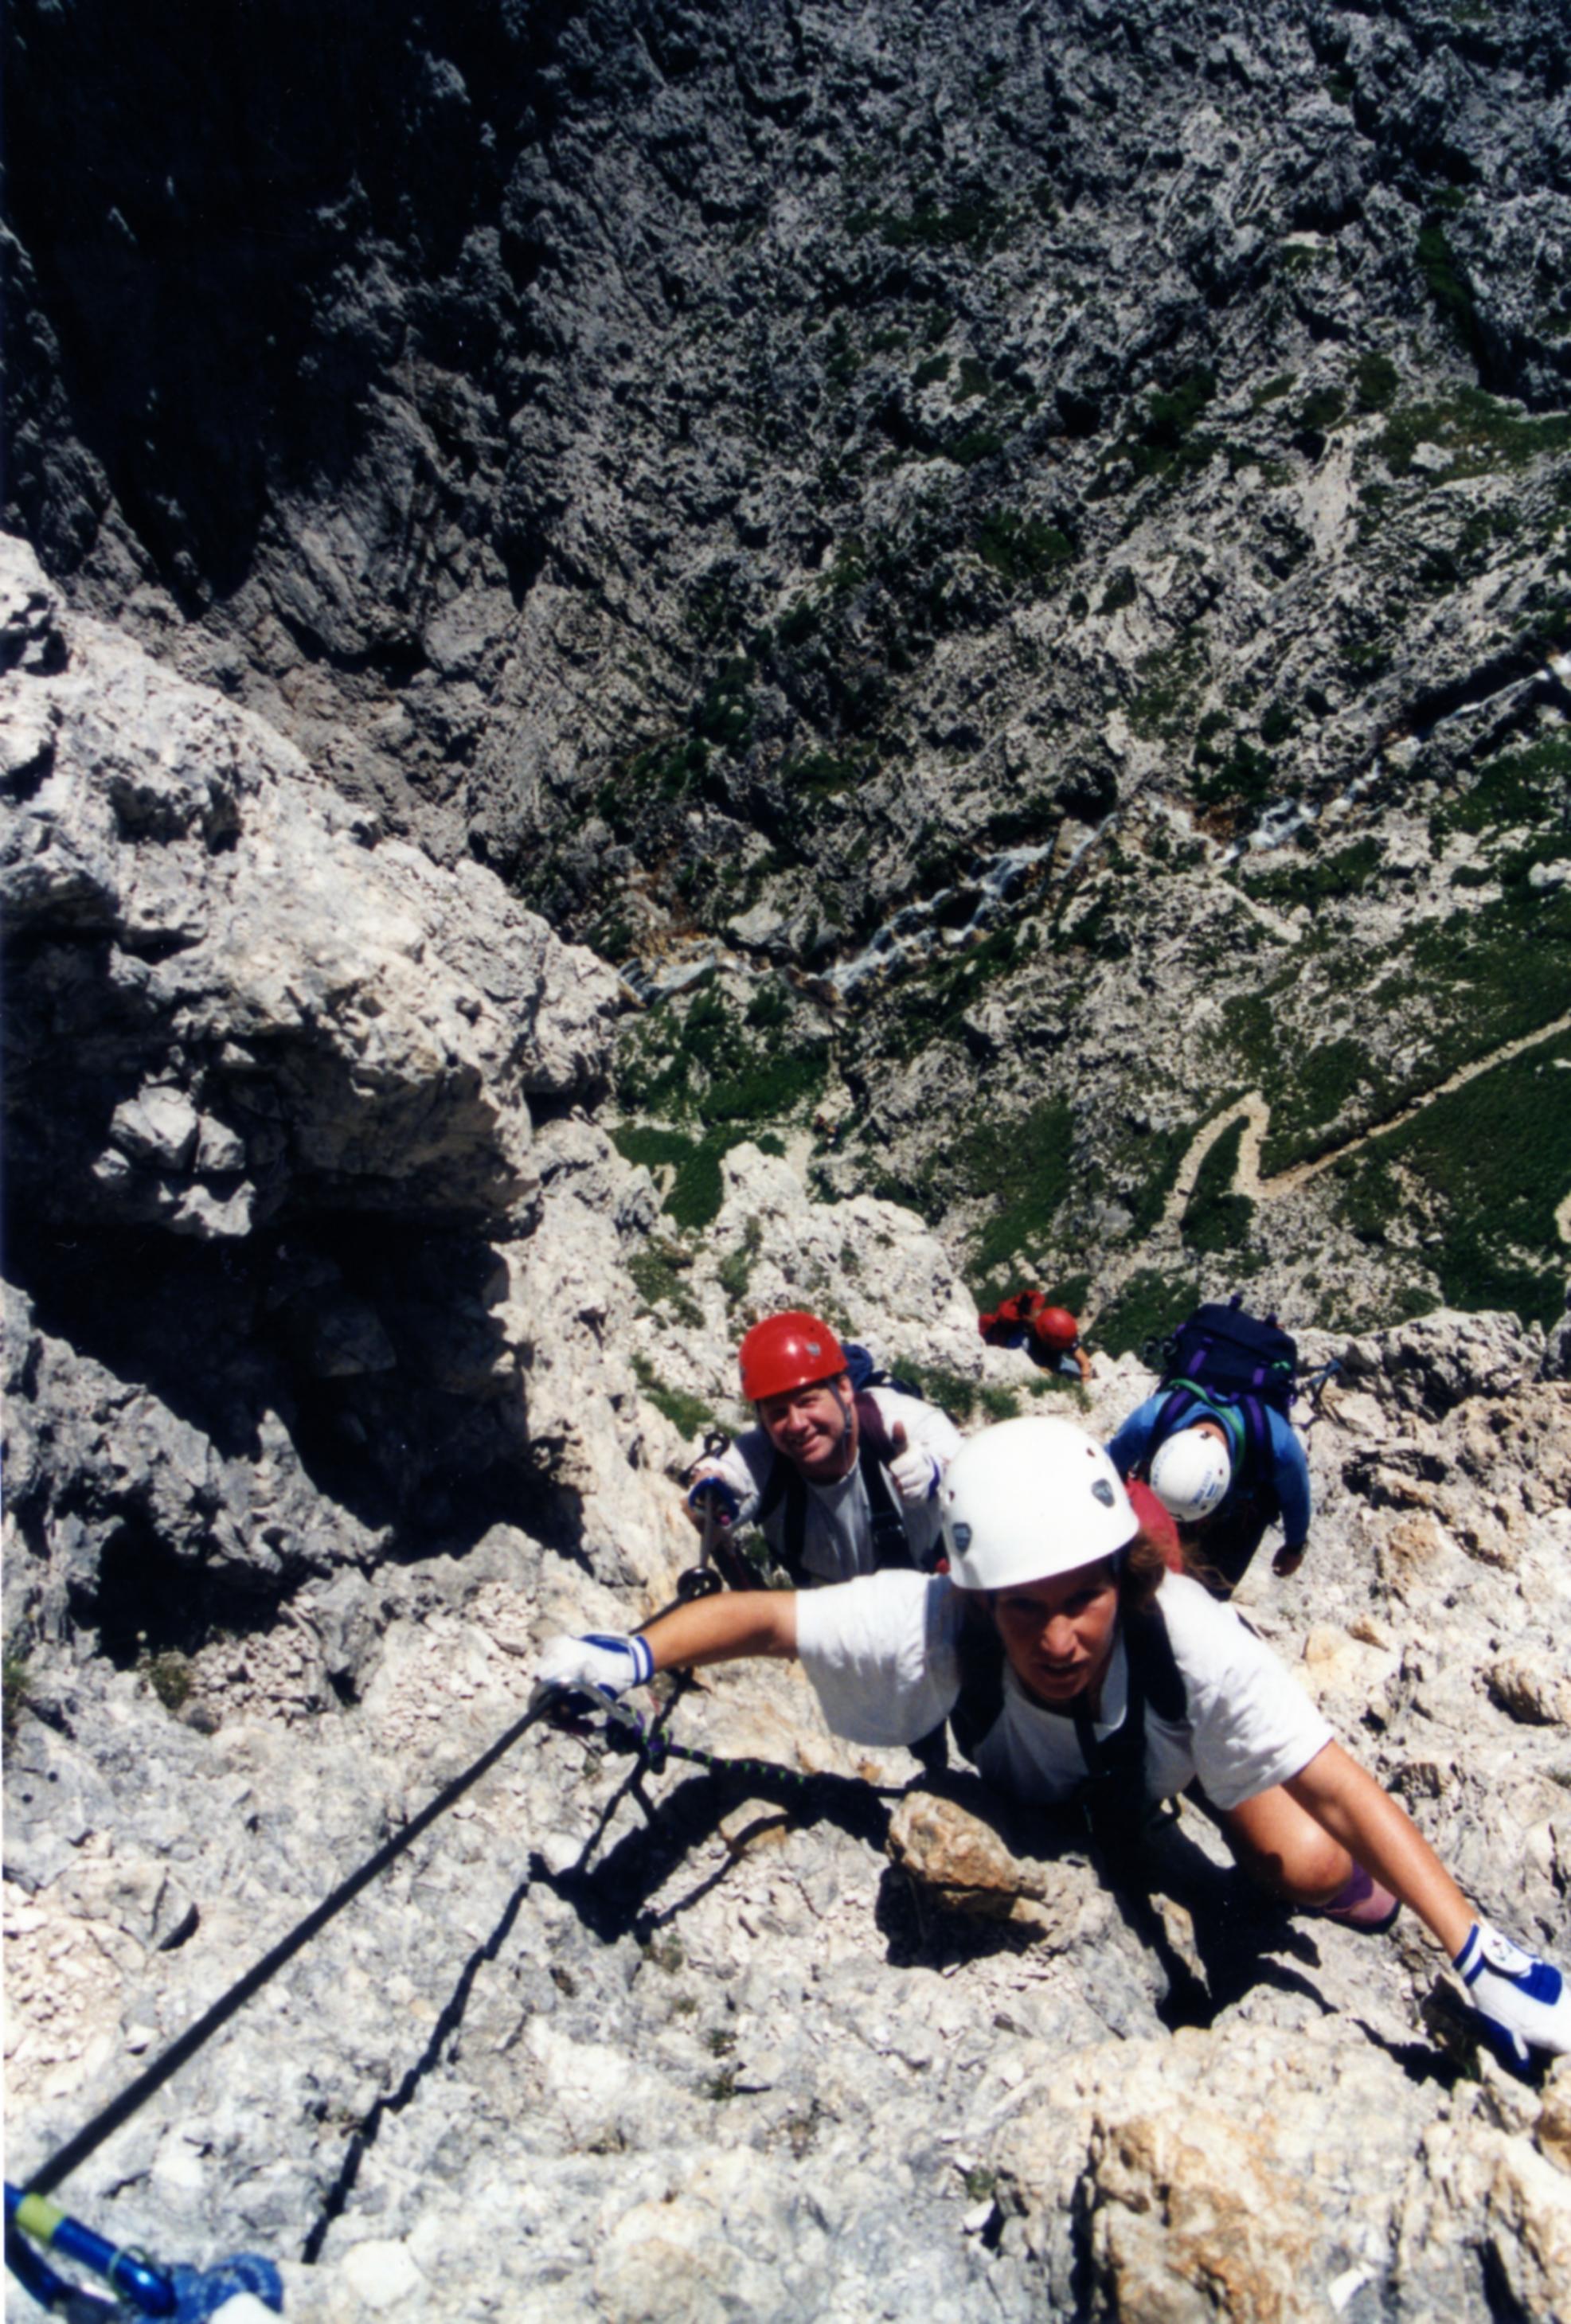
x=260, y=1006
x=1046, y=535
x=969, y=1866
x=1282, y=2177
x=1532, y=1689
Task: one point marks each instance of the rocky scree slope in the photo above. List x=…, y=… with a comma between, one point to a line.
x=1038, y=532
x=284, y=1530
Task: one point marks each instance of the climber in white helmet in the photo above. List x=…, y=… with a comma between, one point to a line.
x=1072, y=1663
x=1220, y=1488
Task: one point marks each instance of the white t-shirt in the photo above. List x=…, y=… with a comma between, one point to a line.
x=837, y=1528
x=883, y=1658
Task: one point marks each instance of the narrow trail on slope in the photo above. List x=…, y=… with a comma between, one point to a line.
x=1255, y=1113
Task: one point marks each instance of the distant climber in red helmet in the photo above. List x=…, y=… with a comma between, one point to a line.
x=840, y=1482
x=1049, y=1335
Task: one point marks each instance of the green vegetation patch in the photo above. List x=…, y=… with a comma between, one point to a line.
x=1492, y=1160
x=658, y=1272
x=1317, y=878
x=974, y=224
x=15, y=1684
x=1479, y=431
x=1376, y=380
x=170, y=1677
x=687, y=1413
x=953, y=1393
x=1518, y=787
x=1472, y=967
x=1170, y=684
x=1149, y=1307
x=1460, y=987
x=1026, y=1166
x=769, y=1088
x=1324, y=407
x=1447, y=282
x=1166, y=431
x=734, y=1271
x=1164, y=440
x=820, y=775
x=977, y=445
x=1138, y=1170
x=727, y=1073
x=1216, y=1219
x=725, y=714
x=1245, y=778
x=1328, y=1079
x=933, y=1005
x=722, y=1067
x=696, y=1192
x=1025, y=549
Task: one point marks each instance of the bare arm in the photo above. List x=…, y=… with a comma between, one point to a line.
x=726, y=1627
x=1346, y=1802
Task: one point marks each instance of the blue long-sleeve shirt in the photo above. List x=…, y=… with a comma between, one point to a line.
x=1290, y=1466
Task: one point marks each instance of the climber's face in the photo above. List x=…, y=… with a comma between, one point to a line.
x=1059, y=1634
x=814, y=1426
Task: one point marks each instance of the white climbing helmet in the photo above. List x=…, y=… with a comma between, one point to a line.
x=1029, y=1499
x=1192, y=1473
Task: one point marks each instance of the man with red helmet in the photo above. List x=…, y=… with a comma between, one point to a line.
x=839, y=1481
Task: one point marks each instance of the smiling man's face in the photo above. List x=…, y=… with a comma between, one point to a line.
x=815, y=1427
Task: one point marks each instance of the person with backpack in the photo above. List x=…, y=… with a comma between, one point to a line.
x=1073, y=1665
x=1218, y=1448
x=841, y=1473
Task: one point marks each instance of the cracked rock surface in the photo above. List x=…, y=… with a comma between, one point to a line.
x=658, y=660
x=778, y=2030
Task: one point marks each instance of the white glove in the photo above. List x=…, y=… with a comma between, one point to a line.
x=914, y=1473
x=598, y=1665
x=1521, y=1998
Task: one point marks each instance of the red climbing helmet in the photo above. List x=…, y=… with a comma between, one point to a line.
x=786, y=1351
x=1055, y=1329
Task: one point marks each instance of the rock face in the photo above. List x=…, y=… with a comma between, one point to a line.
x=774, y=2030
x=1051, y=526
x=1010, y=568
x=222, y=950
x=780, y=2040
x=278, y=1082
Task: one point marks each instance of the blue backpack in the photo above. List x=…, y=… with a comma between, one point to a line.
x=1224, y=1356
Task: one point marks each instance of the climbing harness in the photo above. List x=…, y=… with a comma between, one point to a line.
x=186, y=2295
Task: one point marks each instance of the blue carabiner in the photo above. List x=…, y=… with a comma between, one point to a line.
x=130, y=2274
